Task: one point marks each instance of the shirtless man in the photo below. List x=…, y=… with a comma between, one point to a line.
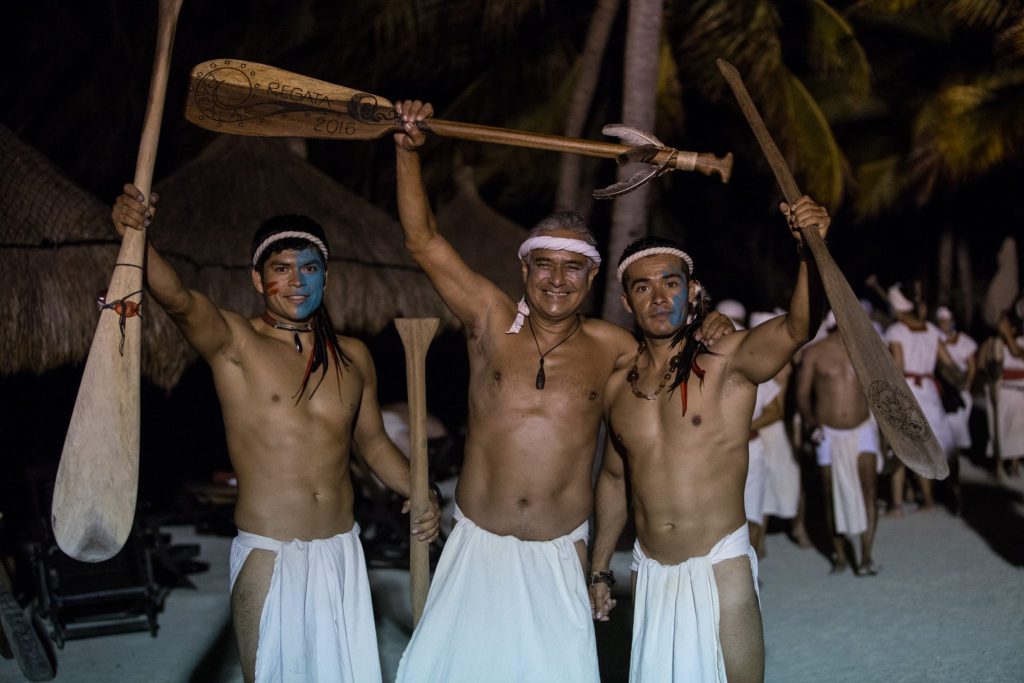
x=835, y=415
x=509, y=598
x=685, y=437
x=293, y=395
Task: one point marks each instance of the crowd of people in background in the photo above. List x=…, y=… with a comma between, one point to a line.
x=814, y=418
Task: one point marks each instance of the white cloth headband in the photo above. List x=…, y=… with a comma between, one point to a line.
x=633, y=258
x=899, y=303
x=559, y=244
x=287, y=234
x=555, y=244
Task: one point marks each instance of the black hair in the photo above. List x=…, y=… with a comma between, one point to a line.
x=686, y=359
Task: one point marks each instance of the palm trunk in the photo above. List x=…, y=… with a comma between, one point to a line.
x=640, y=76
x=569, y=195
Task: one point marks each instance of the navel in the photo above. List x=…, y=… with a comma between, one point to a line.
x=593, y=396
x=497, y=375
x=275, y=398
x=696, y=420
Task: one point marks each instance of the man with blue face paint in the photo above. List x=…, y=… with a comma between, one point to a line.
x=299, y=591
x=680, y=415
x=509, y=599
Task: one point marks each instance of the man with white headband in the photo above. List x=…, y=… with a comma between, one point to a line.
x=680, y=417
x=916, y=345
x=509, y=600
x=294, y=396
x=835, y=417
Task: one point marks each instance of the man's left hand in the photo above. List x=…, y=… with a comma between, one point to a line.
x=806, y=213
x=714, y=327
x=427, y=526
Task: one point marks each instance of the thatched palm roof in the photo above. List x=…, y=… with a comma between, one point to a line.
x=57, y=248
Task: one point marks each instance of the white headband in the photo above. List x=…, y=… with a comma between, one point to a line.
x=899, y=303
x=633, y=258
x=559, y=244
x=278, y=236
x=555, y=244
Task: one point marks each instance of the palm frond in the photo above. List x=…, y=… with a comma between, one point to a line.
x=820, y=161
x=834, y=51
x=880, y=184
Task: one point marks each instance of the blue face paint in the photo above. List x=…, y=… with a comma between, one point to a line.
x=312, y=279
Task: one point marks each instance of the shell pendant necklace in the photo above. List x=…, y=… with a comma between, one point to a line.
x=279, y=325
x=540, y=371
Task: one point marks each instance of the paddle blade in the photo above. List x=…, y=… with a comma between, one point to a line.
x=244, y=98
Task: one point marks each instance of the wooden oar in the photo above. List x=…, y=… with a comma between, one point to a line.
x=28, y=650
x=898, y=412
x=416, y=334
x=97, y=481
x=245, y=98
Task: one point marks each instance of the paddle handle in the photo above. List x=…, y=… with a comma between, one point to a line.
x=703, y=162
x=416, y=334
x=899, y=415
x=97, y=479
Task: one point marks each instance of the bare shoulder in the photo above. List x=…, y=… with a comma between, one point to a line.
x=616, y=339
x=356, y=350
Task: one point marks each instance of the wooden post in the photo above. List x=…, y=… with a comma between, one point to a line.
x=416, y=334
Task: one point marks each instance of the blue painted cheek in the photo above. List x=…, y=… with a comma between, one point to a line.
x=314, y=284
x=679, y=309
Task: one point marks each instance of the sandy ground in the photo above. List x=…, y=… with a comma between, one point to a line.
x=948, y=605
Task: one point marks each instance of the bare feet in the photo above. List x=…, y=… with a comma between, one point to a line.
x=800, y=537
x=868, y=568
x=895, y=510
x=838, y=564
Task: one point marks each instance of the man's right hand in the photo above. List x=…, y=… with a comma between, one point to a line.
x=130, y=210
x=410, y=113
x=601, y=601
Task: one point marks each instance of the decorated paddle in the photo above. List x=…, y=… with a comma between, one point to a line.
x=898, y=412
x=21, y=635
x=97, y=481
x=416, y=334
x=244, y=98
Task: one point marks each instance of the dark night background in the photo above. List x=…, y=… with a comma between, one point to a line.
x=77, y=76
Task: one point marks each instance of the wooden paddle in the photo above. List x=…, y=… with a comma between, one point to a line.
x=416, y=334
x=244, y=98
x=97, y=481
x=898, y=412
x=21, y=635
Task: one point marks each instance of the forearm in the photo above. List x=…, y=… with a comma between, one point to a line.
x=414, y=211
x=806, y=306
x=390, y=466
x=610, y=519
x=164, y=284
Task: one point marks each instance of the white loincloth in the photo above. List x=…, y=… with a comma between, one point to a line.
x=840, y=450
x=676, y=614
x=317, y=621
x=959, y=422
x=504, y=609
x=782, y=473
x=1011, y=408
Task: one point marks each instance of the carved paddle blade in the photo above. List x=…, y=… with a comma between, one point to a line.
x=245, y=98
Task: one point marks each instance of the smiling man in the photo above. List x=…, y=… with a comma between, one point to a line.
x=680, y=417
x=294, y=395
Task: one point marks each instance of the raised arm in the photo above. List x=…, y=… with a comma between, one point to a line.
x=610, y=519
x=203, y=324
x=377, y=450
x=763, y=352
x=470, y=296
